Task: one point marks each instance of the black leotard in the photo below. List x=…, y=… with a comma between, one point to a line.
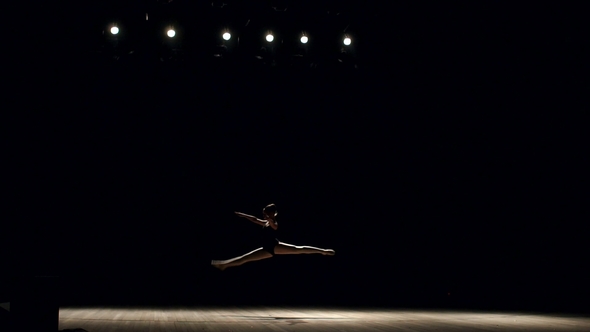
x=269, y=239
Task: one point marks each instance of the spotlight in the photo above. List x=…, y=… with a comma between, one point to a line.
x=114, y=30
x=270, y=38
x=304, y=39
x=171, y=33
x=226, y=36
x=347, y=41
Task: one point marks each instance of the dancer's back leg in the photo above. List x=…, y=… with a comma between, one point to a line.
x=289, y=249
x=254, y=255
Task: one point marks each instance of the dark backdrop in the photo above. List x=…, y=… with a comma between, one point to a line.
x=445, y=170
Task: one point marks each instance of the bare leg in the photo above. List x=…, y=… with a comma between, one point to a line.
x=254, y=255
x=289, y=249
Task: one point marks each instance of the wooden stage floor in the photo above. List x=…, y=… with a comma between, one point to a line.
x=309, y=319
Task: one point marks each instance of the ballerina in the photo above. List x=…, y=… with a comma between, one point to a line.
x=270, y=245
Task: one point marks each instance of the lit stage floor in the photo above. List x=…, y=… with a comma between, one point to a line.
x=309, y=319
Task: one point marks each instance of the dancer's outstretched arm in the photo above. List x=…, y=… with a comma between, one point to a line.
x=251, y=218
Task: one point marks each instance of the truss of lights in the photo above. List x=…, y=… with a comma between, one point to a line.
x=268, y=38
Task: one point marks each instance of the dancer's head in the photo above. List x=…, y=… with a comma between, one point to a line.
x=270, y=211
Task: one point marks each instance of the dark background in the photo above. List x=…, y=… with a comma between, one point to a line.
x=446, y=169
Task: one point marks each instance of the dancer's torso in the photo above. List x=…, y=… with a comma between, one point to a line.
x=268, y=232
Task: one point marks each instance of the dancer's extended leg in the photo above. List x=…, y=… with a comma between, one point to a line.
x=254, y=255
x=289, y=249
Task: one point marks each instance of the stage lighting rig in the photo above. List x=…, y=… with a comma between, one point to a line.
x=347, y=56
x=114, y=34
x=115, y=42
x=285, y=38
x=226, y=43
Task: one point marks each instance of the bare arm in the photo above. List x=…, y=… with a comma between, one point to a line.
x=251, y=218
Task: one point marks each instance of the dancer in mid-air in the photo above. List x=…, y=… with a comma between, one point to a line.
x=270, y=245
